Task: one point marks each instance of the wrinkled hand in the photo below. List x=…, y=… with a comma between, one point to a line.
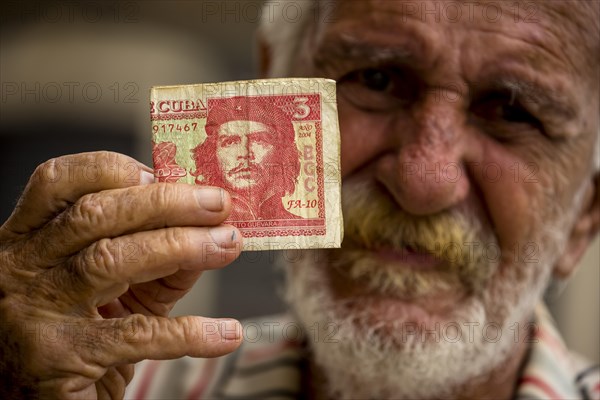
x=92, y=260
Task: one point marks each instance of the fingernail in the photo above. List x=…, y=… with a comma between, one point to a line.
x=230, y=329
x=224, y=236
x=210, y=198
x=146, y=178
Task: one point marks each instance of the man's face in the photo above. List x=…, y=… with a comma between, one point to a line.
x=466, y=146
x=243, y=150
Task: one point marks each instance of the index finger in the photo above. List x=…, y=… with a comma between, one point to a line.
x=139, y=337
x=59, y=182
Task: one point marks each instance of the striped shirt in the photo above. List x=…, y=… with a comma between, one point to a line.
x=270, y=362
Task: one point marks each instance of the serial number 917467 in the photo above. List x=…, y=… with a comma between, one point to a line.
x=174, y=127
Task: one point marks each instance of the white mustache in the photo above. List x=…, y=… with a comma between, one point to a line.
x=372, y=222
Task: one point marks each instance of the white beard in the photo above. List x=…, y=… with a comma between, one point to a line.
x=363, y=363
x=359, y=360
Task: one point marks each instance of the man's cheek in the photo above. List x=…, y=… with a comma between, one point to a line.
x=260, y=152
x=229, y=160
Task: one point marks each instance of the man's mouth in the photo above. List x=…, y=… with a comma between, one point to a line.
x=413, y=256
x=244, y=171
x=389, y=252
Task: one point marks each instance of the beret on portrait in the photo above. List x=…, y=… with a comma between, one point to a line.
x=245, y=108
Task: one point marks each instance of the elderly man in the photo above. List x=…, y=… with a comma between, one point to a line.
x=470, y=165
x=250, y=151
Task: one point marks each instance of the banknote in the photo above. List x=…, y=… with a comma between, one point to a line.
x=273, y=144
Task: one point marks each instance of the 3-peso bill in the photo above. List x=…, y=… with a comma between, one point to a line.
x=273, y=144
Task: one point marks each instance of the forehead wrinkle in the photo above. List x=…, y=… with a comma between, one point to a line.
x=575, y=27
x=349, y=46
x=583, y=15
x=529, y=41
x=514, y=26
x=357, y=25
x=414, y=41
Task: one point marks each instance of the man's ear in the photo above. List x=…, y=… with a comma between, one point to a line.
x=264, y=57
x=584, y=230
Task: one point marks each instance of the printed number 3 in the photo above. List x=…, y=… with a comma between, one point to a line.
x=302, y=110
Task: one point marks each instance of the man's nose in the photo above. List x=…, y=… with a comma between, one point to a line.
x=248, y=152
x=424, y=173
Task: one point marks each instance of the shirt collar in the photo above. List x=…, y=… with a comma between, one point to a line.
x=548, y=372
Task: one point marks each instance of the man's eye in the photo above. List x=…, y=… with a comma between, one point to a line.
x=504, y=110
x=505, y=118
x=228, y=141
x=513, y=113
x=264, y=138
x=375, y=79
x=378, y=89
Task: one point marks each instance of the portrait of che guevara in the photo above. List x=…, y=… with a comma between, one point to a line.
x=249, y=150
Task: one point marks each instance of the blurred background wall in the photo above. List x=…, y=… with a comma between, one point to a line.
x=76, y=75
